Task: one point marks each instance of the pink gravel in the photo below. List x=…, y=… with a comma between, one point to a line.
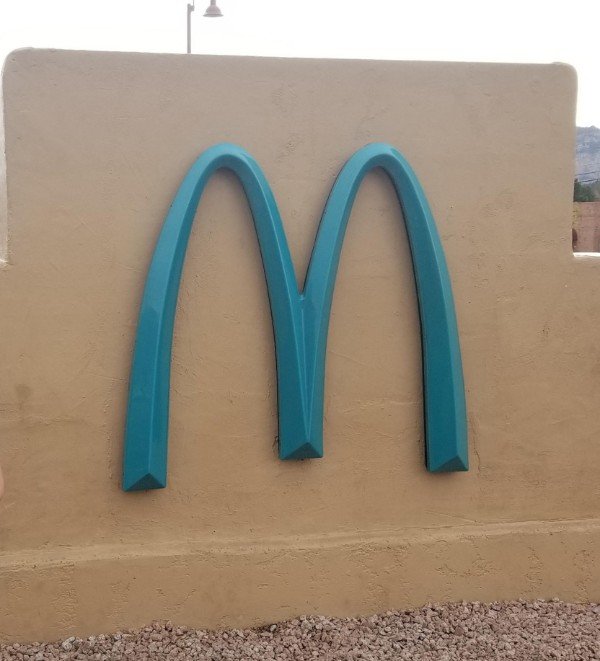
x=503, y=630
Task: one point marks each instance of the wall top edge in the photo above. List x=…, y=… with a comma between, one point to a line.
x=27, y=54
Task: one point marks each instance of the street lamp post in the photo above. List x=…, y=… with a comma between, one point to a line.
x=212, y=11
x=190, y=9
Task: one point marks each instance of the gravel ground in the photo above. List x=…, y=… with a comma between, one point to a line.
x=504, y=630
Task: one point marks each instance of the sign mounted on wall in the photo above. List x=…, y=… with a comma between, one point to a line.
x=300, y=319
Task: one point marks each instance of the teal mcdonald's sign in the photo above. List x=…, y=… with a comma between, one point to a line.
x=300, y=319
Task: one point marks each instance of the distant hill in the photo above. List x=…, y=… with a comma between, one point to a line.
x=587, y=154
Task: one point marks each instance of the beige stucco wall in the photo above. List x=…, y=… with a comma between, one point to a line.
x=96, y=145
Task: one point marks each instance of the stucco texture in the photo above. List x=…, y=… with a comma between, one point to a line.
x=96, y=145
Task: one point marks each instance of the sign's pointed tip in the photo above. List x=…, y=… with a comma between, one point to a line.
x=143, y=483
x=305, y=451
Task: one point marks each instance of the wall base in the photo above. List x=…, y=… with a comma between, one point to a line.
x=82, y=591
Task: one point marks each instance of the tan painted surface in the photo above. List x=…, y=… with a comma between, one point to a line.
x=96, y=145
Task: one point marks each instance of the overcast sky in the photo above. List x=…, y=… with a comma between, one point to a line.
x=471, y=30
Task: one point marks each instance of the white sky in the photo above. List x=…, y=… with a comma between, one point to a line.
x=471, y=30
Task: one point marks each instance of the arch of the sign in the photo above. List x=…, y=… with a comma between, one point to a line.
x=146, y=434
x=443, y=386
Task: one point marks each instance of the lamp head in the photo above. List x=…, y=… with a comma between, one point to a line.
x=212, y=11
